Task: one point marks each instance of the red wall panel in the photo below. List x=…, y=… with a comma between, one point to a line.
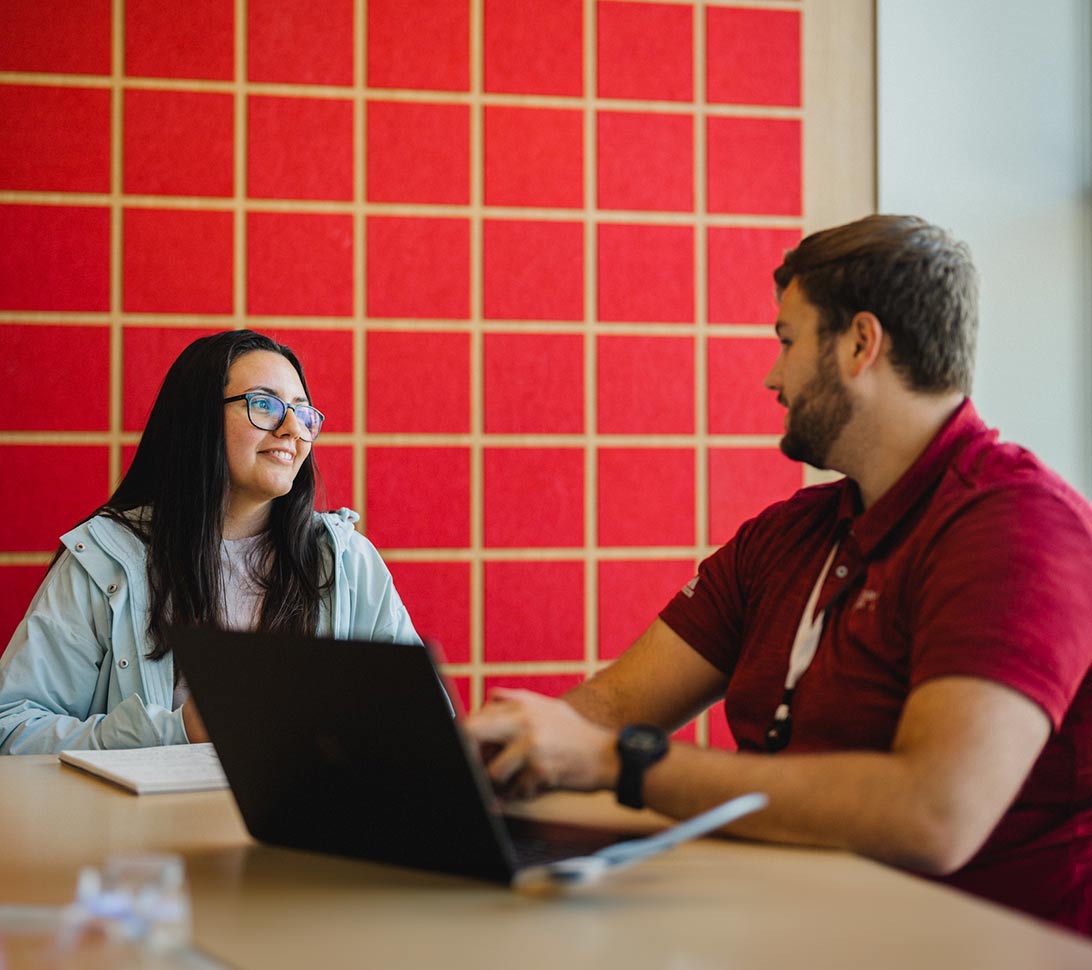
x=161, y=42
x=645, y=51
x=532, y=294
x=418, y=152
x=424, y=45
x=534, y=47
x=288, y=43
x=54, y=139
x=55, y=36
x=533, y=383
x=76, y=394
x=179, y=143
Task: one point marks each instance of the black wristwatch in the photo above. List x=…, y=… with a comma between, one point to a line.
x=639, y=746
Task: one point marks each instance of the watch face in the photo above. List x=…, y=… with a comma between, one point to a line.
x=644, y=739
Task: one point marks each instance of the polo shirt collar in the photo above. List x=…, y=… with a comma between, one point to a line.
x=870, y=527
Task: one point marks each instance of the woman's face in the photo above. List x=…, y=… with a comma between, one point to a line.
x=261, y=464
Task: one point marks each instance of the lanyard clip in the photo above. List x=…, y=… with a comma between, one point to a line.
x=779, y=733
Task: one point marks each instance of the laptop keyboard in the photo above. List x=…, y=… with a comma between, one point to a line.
x=538, y=842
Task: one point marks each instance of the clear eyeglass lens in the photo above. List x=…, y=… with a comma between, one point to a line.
x=267, y=412
x=310, y=419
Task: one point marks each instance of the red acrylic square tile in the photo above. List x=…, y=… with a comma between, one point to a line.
x=646, y=496
x=327, y=359
x=646, y=274
x=754, y=165
x=646, y=51
x=75, y=396
x=646, y=161
x=54, y=139
x=437, y=596
x=534, y=383
x=534, y=47
x=300, y=42
x=299, y=148
x=179, y=143
x=418, y=382
x=418, y=152
x=418, y=497
x=534, y=157
x=62, y=261
x=631, y=595
x=744, y=481
x=534, y=611
x=177, y=261
x=533, y=270
x=18, y=584
x=741, y=265
x=146, y=355
x=418, y=268
x=299, y=264
x=738, y=401
x=334, y=475
x=162, y=42
x=753, y=56
x=420, y=46
x=64, y=483
x=553, y=685
x=55, y=36
x=534, y=497
x=646, y=385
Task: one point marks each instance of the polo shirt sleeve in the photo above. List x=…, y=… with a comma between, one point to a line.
x=708, y=612
x=1005, y=593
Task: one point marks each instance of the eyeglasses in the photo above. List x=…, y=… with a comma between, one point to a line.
x=267, y=413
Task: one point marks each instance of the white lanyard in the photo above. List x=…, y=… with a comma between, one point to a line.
x=803, y=650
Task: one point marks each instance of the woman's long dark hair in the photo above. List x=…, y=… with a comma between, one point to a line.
x=179, y=478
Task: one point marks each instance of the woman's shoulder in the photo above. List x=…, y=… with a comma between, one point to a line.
x=339, y=527
x=342, y=518
x=117, y=533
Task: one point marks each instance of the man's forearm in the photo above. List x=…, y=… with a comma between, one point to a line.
x=595, y=704
x=869, y=803
x=962, y=750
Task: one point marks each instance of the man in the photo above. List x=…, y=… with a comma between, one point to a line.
x=903, y=654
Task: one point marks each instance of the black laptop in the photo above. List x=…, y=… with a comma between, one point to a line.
x=351, y=747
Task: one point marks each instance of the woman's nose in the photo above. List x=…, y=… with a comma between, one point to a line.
x=291, y=425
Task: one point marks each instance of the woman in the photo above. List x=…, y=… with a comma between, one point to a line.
x=214, y=523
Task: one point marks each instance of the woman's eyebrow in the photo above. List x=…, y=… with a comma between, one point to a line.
x=298, y=399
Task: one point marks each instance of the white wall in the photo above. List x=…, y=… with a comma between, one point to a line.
x=984, y=118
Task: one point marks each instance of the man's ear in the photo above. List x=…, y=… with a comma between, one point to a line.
x=863, y=342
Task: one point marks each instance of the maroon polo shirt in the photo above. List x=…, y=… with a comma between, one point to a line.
x=977, y=562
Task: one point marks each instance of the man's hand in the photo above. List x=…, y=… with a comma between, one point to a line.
x=532, y=743
x=191, y=721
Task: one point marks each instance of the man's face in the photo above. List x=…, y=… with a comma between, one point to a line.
x=806, y=378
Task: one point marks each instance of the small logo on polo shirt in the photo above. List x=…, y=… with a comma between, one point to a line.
x=688, y=589
x=867, y=600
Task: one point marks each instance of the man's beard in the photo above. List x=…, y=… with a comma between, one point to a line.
x=818, y=414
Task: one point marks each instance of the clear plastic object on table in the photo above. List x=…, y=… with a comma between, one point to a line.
x=139, y=899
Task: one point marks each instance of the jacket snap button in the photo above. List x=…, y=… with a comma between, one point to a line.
x=840, y=572
x=123, y=663
x=112, y=588
x=80, y=547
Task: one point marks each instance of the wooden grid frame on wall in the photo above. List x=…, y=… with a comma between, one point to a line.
x=597, y=440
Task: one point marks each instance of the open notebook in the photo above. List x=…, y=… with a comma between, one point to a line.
x=147, y=771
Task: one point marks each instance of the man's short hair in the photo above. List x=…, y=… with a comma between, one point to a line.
x=919, y=282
